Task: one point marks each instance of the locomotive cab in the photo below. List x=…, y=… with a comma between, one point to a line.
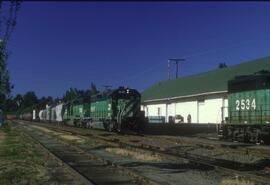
x=126, y=108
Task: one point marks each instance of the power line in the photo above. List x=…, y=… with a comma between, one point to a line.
x=138, y=75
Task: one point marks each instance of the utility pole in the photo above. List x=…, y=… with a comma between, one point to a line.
x=169, y=69
x=176, y=60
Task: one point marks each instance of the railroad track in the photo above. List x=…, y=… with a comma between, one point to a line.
x=242, y=170
x=91, y=169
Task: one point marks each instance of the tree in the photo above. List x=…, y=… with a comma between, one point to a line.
x=222, y=65
x=29, y=99
x=93, y=89
x=10, y=105
x=50, y=100
x=70, y=94
x=57, y=100
x=46, y=101
x=74, y=93
x=18, y=100
x=7, y=24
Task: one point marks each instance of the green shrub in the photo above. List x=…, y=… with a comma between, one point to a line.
x=7, y=124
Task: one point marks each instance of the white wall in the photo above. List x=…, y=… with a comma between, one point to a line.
x=186, y=108
x=225, y=111
x=204, y=111
x=210, y=112
x=171, y=109
x=153, y=110
x=34, y=115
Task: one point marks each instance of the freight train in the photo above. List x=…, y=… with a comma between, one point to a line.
x=248, y=108
x=112, y=110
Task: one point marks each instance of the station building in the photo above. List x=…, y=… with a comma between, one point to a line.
x=200, y=98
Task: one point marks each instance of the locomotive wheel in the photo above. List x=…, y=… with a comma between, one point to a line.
x=235, y=135
x=75, y=123
x=258, y=137
x=247, y=137
x=88, y=124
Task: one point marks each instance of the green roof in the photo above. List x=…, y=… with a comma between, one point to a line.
x=212, y=81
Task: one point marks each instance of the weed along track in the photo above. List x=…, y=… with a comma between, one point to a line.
x=139, y=161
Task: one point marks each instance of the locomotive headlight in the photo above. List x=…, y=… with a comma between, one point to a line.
x=127, y=91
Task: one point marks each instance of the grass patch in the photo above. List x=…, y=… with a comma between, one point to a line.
x=20, y=161
x=134, y=154
x=6, y=126
x=267, y=170
x=45, y=130
x=236, y=182
x=69, y=138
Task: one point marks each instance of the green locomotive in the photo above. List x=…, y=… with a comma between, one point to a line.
x=111, y=110
x=248, y=108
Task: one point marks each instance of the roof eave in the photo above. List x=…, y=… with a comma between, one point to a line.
x=185, y=96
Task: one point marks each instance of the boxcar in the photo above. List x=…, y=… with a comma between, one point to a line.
x=59, y=112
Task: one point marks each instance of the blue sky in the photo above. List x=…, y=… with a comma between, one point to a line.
x=57, y=45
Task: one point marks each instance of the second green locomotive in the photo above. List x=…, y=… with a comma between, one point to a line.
x=248, y=108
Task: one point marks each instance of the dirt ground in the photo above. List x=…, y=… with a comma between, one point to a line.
x=2, y=135
x=155, y=167
x=164, y=170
